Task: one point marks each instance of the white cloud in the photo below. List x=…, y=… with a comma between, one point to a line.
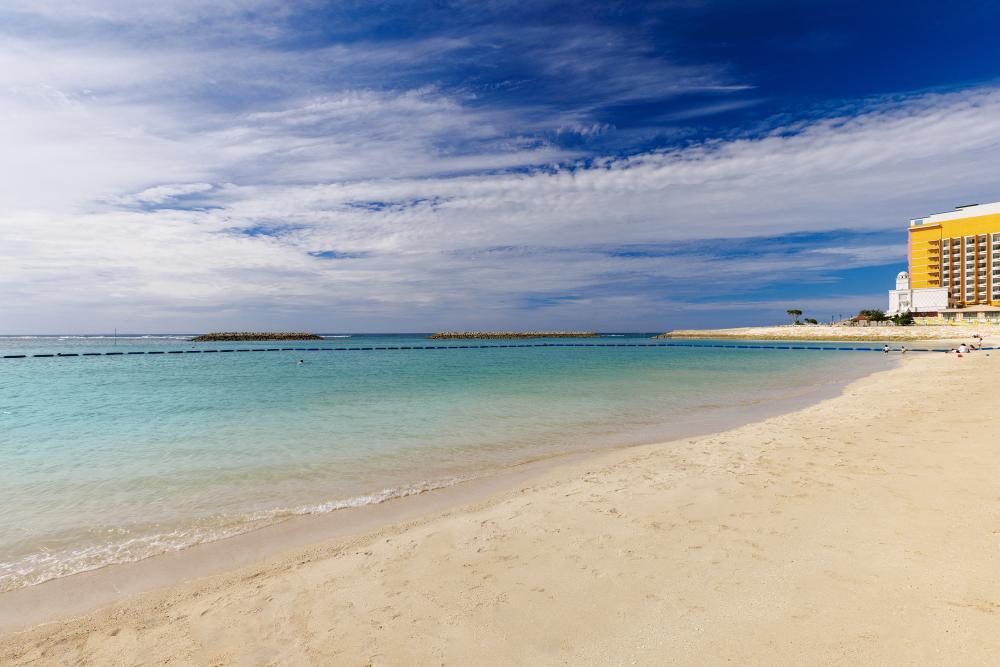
x=163, y=193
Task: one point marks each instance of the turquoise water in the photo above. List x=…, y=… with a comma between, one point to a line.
x=109, y=459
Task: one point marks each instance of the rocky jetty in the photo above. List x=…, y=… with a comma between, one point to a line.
x=231, y=336
x=507, y=335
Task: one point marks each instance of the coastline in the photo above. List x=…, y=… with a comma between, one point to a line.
x=810, y=332
x=90, y=589
x=712, y=543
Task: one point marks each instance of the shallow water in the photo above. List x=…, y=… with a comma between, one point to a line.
x=110, y=459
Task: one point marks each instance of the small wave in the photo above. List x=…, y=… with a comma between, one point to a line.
x=144, y=337
x=101, y=337
x=47, y=564
x=376, y=498
x=338, y=336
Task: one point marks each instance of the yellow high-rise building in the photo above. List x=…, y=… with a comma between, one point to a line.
x=957, y=253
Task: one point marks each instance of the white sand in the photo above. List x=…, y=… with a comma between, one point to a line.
x=862, y=530
x=953, y=332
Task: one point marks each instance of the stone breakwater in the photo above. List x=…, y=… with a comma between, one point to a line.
x=230, y=336
x=508, y=335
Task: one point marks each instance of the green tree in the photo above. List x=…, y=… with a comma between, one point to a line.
x=874, y=315
x=811, y=320
x=794, y=314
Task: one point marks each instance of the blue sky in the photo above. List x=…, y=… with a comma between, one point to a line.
x=404, y=166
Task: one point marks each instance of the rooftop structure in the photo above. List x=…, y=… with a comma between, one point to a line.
x=960, y=213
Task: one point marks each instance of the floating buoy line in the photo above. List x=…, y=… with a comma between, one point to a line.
x=818, y=348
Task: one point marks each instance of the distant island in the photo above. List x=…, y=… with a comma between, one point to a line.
x=445, y=335
x=230, y=336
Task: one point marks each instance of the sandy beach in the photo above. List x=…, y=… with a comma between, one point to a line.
x=954, y=333
x=861, y=530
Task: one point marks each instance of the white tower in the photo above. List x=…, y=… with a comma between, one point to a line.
x=901, y=298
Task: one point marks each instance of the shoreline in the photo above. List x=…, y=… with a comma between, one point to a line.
x=861, y=528
x=810, y=332
x=64, y=597
x=110, y=583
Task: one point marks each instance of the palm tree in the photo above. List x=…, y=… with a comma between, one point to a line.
x=794, y=314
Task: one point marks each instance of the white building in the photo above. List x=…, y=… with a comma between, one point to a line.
x=903, y=299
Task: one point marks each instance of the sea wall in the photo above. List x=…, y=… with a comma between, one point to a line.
x=225, y=336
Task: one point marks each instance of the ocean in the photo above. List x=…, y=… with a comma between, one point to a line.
x=107, y=459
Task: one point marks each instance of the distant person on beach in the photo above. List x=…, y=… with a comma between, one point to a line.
x=885, y=349
x=902, y=349
x=963, y=349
